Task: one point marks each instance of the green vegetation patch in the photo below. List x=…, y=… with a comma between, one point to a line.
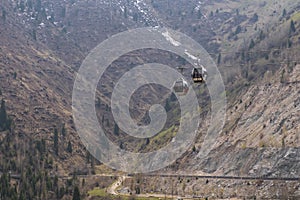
x=97, y=192
x=296, y=16
x=164, y=136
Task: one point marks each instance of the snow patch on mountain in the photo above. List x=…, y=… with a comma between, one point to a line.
x=197, y=8
x=170, y=39
x=190, y=55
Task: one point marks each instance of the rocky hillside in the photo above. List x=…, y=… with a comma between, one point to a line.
x=261, y=135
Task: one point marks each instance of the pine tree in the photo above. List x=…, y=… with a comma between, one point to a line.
x=167, y=105
x=125, y=12
x=102, y=120
x=238, y=29
x=63, y=131
x=116, y=129
x=55, y=142
x=194, y=149
x=34, y=34
x=284, y=13
x=199, y=14
x=243, y=56
x=98, y=102
x=3, y=14
x=15, y=75
x=76, y=194
x=69, y=148
x=292, y=27
x=52, y=18
x=219, y=58
x=22, y=6
x=261, y=35
x=3, y=116
x=252, y=44
x=254, y=18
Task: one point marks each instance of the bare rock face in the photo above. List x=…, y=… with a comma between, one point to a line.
x=263, y=140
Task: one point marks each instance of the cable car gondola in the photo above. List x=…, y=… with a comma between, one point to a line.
x=199, y=75
x=181, y=87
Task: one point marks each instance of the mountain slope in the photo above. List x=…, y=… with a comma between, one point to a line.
x=255, y=44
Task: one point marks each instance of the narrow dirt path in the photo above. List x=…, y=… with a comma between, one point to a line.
x=113, y=188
